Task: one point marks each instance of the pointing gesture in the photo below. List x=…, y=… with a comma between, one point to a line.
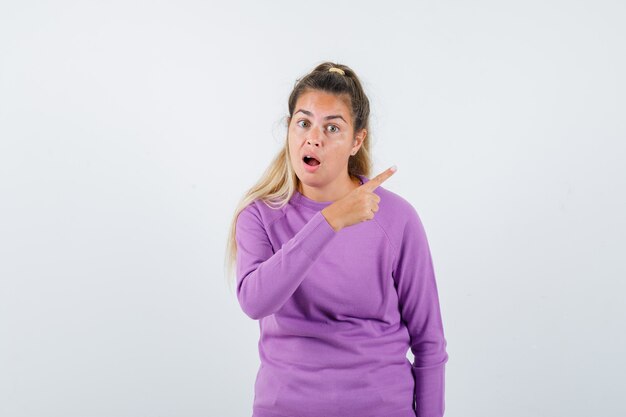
x=357, y=206
x=372, y=184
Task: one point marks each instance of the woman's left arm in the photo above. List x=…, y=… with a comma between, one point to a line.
x=419, y=307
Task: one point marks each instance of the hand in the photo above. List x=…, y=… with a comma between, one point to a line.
x=358, y=205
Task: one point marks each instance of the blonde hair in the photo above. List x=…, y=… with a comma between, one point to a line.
x=279, y=181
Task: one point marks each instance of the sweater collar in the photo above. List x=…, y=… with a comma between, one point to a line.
x=301, y=199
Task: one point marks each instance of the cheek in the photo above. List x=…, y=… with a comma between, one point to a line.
x=294, y=152
x=295, y=145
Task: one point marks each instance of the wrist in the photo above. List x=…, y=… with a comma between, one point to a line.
x=331, y=219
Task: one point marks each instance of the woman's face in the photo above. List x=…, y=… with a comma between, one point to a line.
x=321, y=126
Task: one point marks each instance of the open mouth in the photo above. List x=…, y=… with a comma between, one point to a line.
x=309, y=160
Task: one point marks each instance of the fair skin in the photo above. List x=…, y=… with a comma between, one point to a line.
x=321, y=125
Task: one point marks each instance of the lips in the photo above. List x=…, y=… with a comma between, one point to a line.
x=310, y=168
x=309, y=158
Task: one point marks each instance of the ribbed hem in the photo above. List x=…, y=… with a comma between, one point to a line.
x=262, y=412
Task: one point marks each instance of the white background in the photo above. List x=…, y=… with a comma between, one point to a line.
x=130, y=129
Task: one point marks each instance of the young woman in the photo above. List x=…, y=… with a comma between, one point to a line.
x=337, y=269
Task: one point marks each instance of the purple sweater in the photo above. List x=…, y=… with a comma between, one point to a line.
x=338, y=311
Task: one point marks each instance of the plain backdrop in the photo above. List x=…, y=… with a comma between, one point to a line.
x=129, y=130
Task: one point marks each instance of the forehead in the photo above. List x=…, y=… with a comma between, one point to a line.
x=322, y=103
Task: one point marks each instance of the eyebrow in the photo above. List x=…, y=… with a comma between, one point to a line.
x=334, y=116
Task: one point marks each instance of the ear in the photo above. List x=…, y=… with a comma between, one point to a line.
x=358, y=140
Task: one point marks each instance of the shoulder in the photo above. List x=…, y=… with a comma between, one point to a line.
x=403, y=226
x=395, y=205
x=259, y=212
x=397, y=216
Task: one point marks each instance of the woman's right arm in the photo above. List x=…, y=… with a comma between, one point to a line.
x=266, y=280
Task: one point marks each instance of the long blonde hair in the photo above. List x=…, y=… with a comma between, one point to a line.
x=279, y=181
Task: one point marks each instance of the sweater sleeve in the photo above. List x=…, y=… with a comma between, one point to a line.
x=266, y=280
x=419, y=308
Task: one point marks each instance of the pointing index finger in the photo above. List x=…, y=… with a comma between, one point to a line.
x=372, y=184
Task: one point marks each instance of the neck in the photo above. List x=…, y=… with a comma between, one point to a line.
x=317, y=194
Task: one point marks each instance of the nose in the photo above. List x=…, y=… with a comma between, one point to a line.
x=314, y=137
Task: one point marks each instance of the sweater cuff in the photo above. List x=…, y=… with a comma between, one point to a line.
x=430, y=390
x=316, y=234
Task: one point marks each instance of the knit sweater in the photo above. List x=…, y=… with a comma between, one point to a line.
x=338, y=311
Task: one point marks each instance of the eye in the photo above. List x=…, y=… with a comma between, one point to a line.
x=335, y=128
x=301, y=121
